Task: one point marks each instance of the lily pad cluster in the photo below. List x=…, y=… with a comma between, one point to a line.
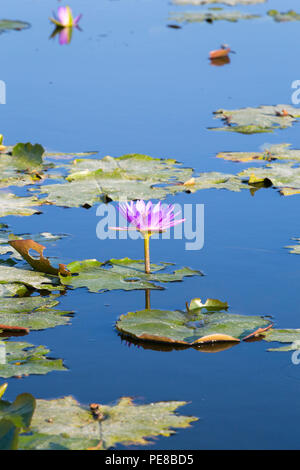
x=219, y=14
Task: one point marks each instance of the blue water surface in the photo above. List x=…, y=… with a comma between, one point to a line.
x=127, y=83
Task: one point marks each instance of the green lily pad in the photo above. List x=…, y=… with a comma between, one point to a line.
x=256, y=120
x=14, y=417
x=24, y=164
x=65, y=424
x=19, y=358
x=28, y=155
x=125, y=274
x=13, y=289
x=125, y=178
x=7, y=25
x=191, y=328
x=34, y=313
x=9, y=435
x=213, y=180
x=211, y=16
x=14, y=205
x=285, y=176
x=208, y=305
x=290, y=336
x=20, y=411
x=31, y=279
x=281, y=152
x=290, y=15
x=230, y=3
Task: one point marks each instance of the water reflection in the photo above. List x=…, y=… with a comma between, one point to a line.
x=64, y=34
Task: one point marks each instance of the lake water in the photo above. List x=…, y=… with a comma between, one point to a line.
x=129, y=84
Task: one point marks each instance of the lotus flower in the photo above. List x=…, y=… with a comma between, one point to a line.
x=148, y=219
x=64, y=18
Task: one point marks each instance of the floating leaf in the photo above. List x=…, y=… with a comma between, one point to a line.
x=281, y=175
x=230, y=3
x=281, y=152
x=290, y=15
x=284, y=336
x=211, y=16
x=41, y=263
x=9, y=435
x=14, y=205
x=65, y=424
x=210, y=304
x=129, y=177
x=295, y=249
x=23, y=359
x=31, y=279
x=34, y=313
x=24, y=164
x=7, y=25
x=192, y=328
x=256, y=120
x=20, y=411
x=213, y=180
x=13, y=289
x=125, y=274
x=28, y=155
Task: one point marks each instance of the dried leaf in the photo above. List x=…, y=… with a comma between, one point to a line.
x=42, y=264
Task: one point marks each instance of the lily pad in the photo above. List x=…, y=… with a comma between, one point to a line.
x=281, y=152
x=18, y=359
x=191, y=328
x=213, y=180
x=230, y=3
x=14, y=205
x=34, y=313
x=7, y=25
x=210, y=16
x=14, y=417
x=256, y=120
x=290, y=15
x=24, y=164
x=290, y=336
x=13, y=289
x=125, y=274
x=285, y=176
x=31, y=279
x=65, y=424
x=125, y=178
x=295, y=249
x=20, y=411
x=9, y=435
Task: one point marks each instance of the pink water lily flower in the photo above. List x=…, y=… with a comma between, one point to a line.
x=64, y=18
x=148, y=219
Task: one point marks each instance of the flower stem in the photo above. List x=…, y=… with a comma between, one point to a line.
x=147, y=236
x=147, y=299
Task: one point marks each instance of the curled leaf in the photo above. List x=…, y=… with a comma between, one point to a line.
x=41, y=264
